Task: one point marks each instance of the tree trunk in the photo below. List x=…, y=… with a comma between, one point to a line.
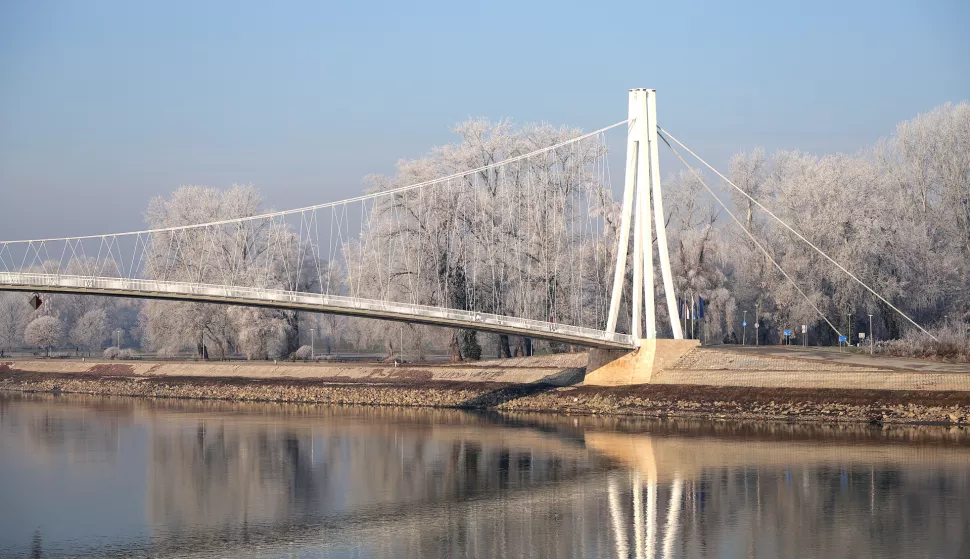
x=455, y=346
x=890, y=322
x=470, y=347
x=293, y=339
x=503, y=342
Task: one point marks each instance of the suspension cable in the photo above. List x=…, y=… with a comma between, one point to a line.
x=360, y=198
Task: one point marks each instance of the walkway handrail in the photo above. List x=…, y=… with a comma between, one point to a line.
x=149, y=288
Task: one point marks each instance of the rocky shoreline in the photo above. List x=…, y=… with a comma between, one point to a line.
x=675, y=401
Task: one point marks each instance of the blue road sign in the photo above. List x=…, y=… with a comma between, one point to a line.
x=744, y=324
x=842, y=338
x=787, y=333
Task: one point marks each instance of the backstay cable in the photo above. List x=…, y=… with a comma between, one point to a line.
x=799, y=235
x=749, y=234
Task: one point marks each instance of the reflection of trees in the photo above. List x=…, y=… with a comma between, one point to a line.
x=420, y=489
x=387, y=482
x=48, y=428
x=218, y=473
x=211, y=475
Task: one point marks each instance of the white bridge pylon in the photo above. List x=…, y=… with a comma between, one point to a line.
x=641, y=190
x=520, y=241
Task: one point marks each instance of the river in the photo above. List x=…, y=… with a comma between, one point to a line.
x=117, y=477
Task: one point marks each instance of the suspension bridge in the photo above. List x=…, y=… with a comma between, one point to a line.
x=528, y=243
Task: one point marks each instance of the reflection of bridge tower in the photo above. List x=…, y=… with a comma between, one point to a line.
x=642, y=180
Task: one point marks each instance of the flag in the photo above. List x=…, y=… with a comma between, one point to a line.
x=700, y=307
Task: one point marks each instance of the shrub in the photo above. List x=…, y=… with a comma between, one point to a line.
x=111, y=353
x=952, y=344
x=168, y=352
x=126, y=354
x=304, y=353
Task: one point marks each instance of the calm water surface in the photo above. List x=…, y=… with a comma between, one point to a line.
x=88, y=476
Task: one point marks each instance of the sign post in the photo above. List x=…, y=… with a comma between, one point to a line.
x=744, y=327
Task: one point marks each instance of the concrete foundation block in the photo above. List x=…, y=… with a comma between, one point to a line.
x=609, y=367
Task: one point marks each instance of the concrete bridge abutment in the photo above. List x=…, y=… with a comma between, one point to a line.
x=616, y=367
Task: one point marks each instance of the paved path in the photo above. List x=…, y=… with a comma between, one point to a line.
x=833, y=355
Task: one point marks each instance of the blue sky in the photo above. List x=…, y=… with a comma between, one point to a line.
x=104, y=104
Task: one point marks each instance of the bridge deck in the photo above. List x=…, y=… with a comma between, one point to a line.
x=313, y=302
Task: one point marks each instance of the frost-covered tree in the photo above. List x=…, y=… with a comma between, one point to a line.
x=14, y=313
x=261, y=333
x=45, y=332
x=91, y=329
x=897, y=216
x=516, y=240
x=697, y=255
x=257, y=253
x=536, y=239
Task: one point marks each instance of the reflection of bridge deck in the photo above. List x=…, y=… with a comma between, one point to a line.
x=312, y=302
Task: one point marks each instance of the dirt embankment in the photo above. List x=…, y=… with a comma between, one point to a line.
x=703, y=402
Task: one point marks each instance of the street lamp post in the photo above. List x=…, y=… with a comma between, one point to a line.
x=757, y=325
x=311, y=343
x=744, y=327
x=872, y=342
x=118, y=339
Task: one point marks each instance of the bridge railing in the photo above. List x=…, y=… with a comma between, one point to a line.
x=320, y=300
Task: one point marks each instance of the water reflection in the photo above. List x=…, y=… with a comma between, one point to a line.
x=103, y=476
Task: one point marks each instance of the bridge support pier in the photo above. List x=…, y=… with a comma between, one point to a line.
x=614, y=367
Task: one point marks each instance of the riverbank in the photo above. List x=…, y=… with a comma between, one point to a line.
x=660, y=400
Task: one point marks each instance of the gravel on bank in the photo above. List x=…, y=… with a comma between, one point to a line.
x=703, y=402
